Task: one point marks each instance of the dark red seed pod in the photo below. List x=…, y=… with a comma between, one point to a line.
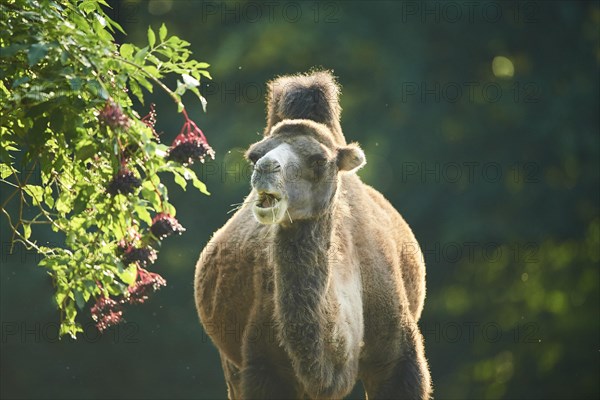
x=106, y=312
x=187, y=149
x=163, y=225
x=108, y=320
x=113, y=116
x=125, y=182
x=190, y=145
x=147, y=283
x=141, y=255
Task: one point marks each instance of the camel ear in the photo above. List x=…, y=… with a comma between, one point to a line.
x=350, y=158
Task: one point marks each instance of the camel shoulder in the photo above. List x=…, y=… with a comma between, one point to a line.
x=372, y=207
x=381, y=222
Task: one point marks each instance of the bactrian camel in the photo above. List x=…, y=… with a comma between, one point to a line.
x=316, y=281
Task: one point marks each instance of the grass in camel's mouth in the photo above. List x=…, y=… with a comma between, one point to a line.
x=267, y=200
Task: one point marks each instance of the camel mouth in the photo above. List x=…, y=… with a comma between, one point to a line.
x=269, y=208
x=267, y=200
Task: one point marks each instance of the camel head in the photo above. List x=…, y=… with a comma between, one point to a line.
x=296, y=171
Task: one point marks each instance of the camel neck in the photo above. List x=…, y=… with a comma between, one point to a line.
x=301, y=275
x=306, y=234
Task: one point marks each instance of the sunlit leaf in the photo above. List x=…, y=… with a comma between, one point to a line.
x=151, y=37
x=126, y=50
x=36, y=192
x=162, y=32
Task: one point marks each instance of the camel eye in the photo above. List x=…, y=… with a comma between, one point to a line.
x=317, y=160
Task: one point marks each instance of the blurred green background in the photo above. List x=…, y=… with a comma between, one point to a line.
x=480, y=123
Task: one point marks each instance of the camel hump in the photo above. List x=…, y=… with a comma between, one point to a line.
x=313, y=96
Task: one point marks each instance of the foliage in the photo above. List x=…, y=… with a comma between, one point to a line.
x=68, y=113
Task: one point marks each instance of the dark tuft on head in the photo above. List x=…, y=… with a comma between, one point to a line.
x=313, y=96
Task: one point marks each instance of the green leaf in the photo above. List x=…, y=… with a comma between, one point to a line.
x=205, y=73
x=180, y=88
x=169, y=209
x=99, y=28
x=136, y=90
x=48, y=196
x=81, y=201
x=5, y=171
x=87, y=6
x=161, y=150
x=143, y=82
x=61, y=204
x=203, y=101
x=36, y=53
x=60, y=297
x=162, y=32
x=140, y=55
x=126, y=50
x=70, y=327
x=26, y=231
x=151, y=37
x=151, y=70
x=198, y=184
x=129, y=274
x=36, y=192
x=79, y=300
x=180, y=180
x=150, y=195
x=143, y=214
x=116, y=25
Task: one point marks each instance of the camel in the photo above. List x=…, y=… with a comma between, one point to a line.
x=316, y=281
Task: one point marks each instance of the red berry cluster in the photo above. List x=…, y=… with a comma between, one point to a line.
x=190, y=145
x=164, y=225
x=125, y=182
x=141, y=255
x=113, y=116
x=146, y=283
x=106, y=312
x=132, y=249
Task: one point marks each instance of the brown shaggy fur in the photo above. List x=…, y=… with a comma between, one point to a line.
x=309, y=305
x=313, y=97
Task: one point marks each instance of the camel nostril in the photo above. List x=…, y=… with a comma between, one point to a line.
x=267, y=166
